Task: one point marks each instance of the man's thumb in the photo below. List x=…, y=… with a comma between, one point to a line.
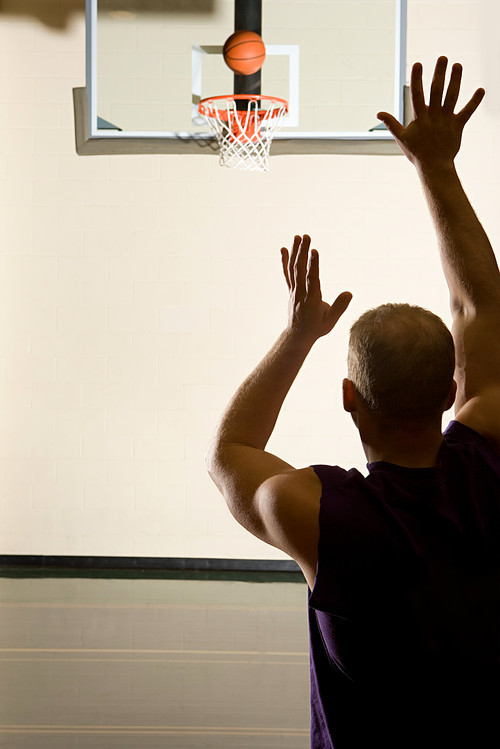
x=391, y=123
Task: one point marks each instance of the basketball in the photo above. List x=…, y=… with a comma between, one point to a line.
x=244, y=52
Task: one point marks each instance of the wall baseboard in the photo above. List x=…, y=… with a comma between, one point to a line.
x=166, y=568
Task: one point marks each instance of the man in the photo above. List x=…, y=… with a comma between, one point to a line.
x=402, y=565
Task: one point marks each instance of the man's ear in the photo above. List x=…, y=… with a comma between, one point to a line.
x=348, y=395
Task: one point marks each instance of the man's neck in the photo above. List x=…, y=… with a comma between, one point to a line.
x=411, y=447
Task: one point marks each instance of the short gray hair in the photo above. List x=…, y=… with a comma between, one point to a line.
x=401, y=360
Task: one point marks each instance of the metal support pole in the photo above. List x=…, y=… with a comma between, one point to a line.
x=247, y=17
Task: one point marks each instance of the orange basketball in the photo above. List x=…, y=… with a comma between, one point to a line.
x=244, y=52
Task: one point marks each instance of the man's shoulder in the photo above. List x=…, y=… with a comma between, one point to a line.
x=459, y=432
x=334, y=475
x=302, y=482
x=283, y=495
x=289, y=505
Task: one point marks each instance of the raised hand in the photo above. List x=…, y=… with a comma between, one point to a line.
x=308, y=314
x=435, y=133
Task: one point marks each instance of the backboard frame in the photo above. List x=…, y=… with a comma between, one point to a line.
x=93, y=139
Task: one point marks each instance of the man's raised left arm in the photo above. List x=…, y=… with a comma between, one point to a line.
x=264, y=493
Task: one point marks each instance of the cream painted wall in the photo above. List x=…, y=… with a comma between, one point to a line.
x=136, y=292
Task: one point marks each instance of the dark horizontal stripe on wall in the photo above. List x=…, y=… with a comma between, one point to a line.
x=161, y=568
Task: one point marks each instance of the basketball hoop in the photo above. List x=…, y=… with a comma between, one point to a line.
x=244, y=135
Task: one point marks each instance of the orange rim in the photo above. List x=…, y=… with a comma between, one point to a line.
x=205, y=104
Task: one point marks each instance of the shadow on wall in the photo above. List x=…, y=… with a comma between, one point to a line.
x=53, y=13
x=57, y=13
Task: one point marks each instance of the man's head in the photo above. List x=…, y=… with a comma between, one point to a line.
x=401, y=361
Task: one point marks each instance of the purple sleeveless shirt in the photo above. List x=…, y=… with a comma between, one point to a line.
x=404, y=614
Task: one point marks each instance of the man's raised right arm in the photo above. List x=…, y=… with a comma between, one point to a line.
x=431, y=142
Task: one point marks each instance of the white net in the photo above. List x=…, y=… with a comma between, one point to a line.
x=244, y=135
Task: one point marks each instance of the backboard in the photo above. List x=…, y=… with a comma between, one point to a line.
x=149, y=62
